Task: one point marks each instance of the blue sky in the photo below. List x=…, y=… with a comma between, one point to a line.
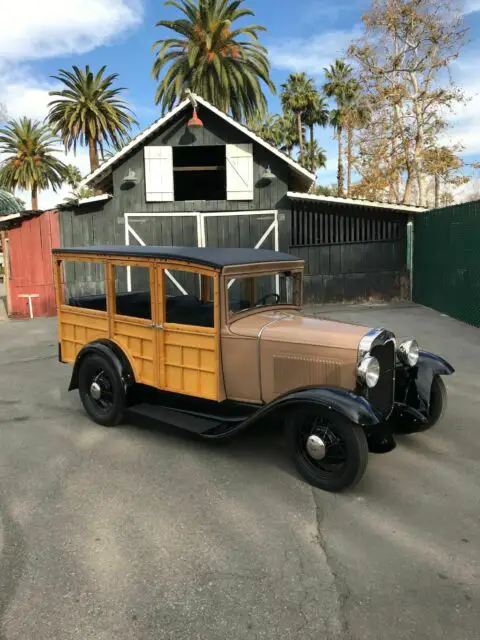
x=37, y=38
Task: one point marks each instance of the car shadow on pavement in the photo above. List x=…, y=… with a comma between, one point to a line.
x=264, y=441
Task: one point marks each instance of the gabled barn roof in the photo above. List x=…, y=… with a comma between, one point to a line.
x=106, y=168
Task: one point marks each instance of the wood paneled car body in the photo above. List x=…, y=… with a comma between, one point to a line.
x=213, y=341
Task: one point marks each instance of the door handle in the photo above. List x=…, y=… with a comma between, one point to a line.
x=155, y=326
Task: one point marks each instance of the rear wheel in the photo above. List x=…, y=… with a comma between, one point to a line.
x=329, y=452
x=101, y=390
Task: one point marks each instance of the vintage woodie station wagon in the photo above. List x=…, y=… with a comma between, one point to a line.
x=213, y=341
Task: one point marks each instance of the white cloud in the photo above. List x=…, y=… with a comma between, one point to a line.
x=464, y=120
x=311, y=54
x=471, y=6
x=34, y=29
x=23, y=93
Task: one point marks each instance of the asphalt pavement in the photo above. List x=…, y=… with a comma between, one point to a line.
x=143, y=532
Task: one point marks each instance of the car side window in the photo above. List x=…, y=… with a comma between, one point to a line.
x=132, y=292
x=189, y=298
x=84, y=285
x=263, y=290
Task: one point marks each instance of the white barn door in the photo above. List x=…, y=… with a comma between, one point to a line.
x=239, y=163
x=158, y=174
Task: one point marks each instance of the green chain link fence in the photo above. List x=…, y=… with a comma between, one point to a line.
x=446, y=261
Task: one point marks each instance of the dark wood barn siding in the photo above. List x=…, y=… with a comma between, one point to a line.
x=215, y=131
x=350, y=255
x=103, y=223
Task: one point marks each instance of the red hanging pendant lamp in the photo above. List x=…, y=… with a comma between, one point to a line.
x=194, y=121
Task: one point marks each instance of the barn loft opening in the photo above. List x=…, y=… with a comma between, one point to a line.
x=199, y=173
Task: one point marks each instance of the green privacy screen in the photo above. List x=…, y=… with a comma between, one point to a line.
x=446, y=261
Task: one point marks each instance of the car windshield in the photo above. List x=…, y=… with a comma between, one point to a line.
x=249, y=292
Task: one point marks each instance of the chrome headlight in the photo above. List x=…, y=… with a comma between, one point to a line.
x=408, y=352
x=368, y=371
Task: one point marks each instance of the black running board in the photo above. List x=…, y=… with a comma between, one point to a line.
x=175, y=418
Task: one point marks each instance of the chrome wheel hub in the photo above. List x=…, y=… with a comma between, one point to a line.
x=315, y=447
x=95, y=391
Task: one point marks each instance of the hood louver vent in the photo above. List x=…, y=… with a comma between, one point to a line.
x=292, y=372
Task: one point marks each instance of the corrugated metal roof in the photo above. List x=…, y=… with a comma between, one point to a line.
x=355, y=201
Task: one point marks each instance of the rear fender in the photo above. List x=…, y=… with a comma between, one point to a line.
x=115, y=355
x=413, y=384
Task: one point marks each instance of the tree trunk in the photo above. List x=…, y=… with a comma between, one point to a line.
x=407, y=194
x=300, y=137
x=312, y=151
x=437, y=190
x=349, y=159
x=340, y=191
x=92, y=152
x=35, y=197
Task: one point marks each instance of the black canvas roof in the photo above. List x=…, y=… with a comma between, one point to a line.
x=210, y=256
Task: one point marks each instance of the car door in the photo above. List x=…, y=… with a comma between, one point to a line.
x=189, y=341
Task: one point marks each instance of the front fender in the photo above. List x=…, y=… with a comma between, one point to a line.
x=413, y=384
x=109, y=350
x=354, y=408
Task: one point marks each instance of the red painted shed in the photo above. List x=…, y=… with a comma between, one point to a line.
x=28, y=239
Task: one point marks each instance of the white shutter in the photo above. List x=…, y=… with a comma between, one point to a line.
x=158, y=174
x=239, y=171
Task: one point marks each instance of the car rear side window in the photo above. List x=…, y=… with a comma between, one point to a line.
x=132, y=292
x=84, y=285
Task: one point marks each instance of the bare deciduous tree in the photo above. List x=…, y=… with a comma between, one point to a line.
x=404, y=57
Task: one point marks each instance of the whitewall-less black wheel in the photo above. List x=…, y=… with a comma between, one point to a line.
x=328, y=451
x=438, y=403
x=101, y=390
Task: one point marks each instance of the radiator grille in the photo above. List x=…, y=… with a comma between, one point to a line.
x=381, y=397
x=292, y=372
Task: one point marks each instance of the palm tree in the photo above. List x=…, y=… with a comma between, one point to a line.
x=72, y=176
x=9, y=203
x=115, y=147
x=88, y=111
x=317, y=155
x=356, y=116
x=209, y=56
x=297, y=95
x=30, y=162
x=316, y=114
x=269, y=129
x=288, y=125
x=338, y=86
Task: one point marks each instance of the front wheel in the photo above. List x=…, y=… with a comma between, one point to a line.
x=438, y=403
x=329, y=452
x=101, y=390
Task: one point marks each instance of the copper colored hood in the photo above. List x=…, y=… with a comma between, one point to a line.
x=296, y=329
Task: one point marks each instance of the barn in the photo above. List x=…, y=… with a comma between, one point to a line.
x=210, y=181
x=27, y=240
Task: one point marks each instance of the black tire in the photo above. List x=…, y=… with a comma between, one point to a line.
x=335, y=472
x=107, y=410
x=438, y=403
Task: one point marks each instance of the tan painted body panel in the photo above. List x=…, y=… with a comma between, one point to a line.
x=269, y=353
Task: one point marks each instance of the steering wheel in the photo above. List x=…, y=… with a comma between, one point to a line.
x=264, y=300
